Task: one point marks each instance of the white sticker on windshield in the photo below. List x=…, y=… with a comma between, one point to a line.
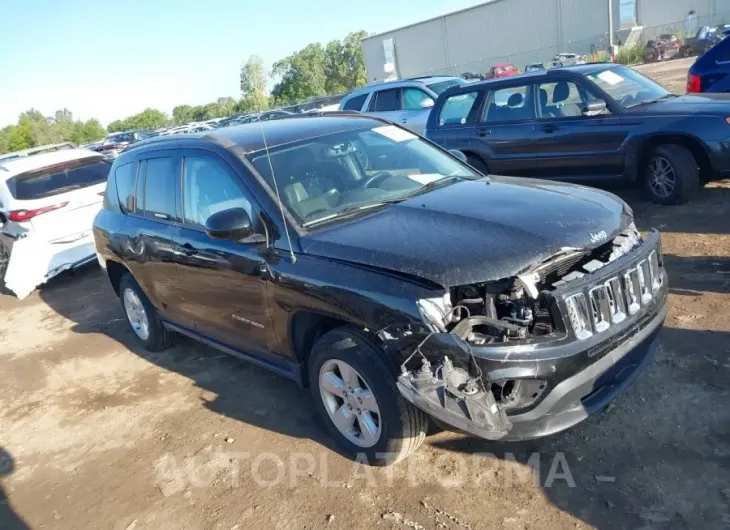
x=610, y=77
x=394, y=133
x=426, y=178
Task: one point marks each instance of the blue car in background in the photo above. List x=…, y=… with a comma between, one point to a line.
x=710, y=72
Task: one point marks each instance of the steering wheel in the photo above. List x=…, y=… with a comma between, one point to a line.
x=381, y=175
x=627, y=99
x=358, y=149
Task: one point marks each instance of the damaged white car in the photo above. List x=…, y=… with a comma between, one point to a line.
x=48, y=201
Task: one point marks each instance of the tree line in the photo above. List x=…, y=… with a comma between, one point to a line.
x=315, y=70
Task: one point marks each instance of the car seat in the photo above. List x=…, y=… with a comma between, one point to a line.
x=561, y=93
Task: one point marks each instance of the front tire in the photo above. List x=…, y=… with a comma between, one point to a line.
x=671, y=175
x=142, y=317
x=353, y=385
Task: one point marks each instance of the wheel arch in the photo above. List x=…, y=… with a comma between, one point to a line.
x=305, y=327
x=115, y=271
x=693, y=144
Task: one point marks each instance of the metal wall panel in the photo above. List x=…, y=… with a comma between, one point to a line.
x=502, y=31
x=523, y=31
x=665, y=15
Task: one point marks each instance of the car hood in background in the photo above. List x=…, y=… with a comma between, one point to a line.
x=688, y=104
x=475, y=231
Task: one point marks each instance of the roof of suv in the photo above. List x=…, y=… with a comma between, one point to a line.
x=413, y=81
x=16, y=166
x=249, y=137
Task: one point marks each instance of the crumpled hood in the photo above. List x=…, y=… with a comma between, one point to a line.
x=475, y=231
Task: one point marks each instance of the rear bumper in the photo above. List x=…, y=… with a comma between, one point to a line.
x=34, y=261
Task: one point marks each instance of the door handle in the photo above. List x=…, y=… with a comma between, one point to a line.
x=404, y=120
x=549, y=128
x=189, y=250
x=483, y=132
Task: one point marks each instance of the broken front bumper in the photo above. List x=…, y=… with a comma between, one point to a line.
x=554, y=383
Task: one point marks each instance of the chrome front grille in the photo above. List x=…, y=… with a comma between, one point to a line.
x=617, y=298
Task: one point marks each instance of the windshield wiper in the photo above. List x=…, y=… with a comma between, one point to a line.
x=360, y=207
x=349, y=210
x=649, y=101
x=434, y=184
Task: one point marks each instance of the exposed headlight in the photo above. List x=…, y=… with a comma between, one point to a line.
x=436, y=312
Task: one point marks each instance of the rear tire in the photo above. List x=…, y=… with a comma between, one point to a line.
x=478, y=164
x=346, y=365
x=671, y=174
x=143, y=318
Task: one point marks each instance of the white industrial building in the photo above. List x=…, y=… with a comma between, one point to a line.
x=525, y=31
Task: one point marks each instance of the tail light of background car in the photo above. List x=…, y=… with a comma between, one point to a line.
x=19, y=216
x=694, y=83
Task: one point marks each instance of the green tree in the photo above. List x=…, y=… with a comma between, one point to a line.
x=147, y=119
x=302, y=75
x=182, y=114
x=254, y=96
x=344, y=64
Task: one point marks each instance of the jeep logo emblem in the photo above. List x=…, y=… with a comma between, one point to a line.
x=599, y=236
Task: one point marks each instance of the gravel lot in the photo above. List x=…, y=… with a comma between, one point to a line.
x=96, y=433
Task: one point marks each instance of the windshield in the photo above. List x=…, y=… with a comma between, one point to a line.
x=118, y=138
x=445, y=85
x=331, y=176
x=628, y=87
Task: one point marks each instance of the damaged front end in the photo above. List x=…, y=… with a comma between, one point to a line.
x=488, y=351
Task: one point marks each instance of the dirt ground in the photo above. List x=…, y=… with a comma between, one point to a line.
x=96, y=433
x=671, y=74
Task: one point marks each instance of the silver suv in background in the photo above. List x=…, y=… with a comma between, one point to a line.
x=406, y=102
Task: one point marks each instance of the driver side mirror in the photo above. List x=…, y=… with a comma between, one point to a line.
x=233, y=224
x=458, y=154
x=593, y=108
x=427, y=103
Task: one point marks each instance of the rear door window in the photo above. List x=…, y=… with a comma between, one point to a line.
x=413, y=98
x=457, y=109
x=355, y=103
x=385, y=100
x=160, y=188
x=508, y=105
x=60, y=178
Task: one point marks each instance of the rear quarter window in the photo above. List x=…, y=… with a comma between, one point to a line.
x=355, y=103
x=60, y=178
x=125, y=177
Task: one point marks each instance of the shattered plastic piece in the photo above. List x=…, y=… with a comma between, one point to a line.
x=448, y=394
x=529, y=282
x=34, y=261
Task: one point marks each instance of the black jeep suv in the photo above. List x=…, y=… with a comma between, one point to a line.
x=383, y=272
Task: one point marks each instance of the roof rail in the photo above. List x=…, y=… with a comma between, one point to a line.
x=317, y=113
x=36, y=151
x=414, y=78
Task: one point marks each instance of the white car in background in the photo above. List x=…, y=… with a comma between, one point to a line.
x=48, y=201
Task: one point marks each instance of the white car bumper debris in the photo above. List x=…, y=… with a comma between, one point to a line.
x=34, y=261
